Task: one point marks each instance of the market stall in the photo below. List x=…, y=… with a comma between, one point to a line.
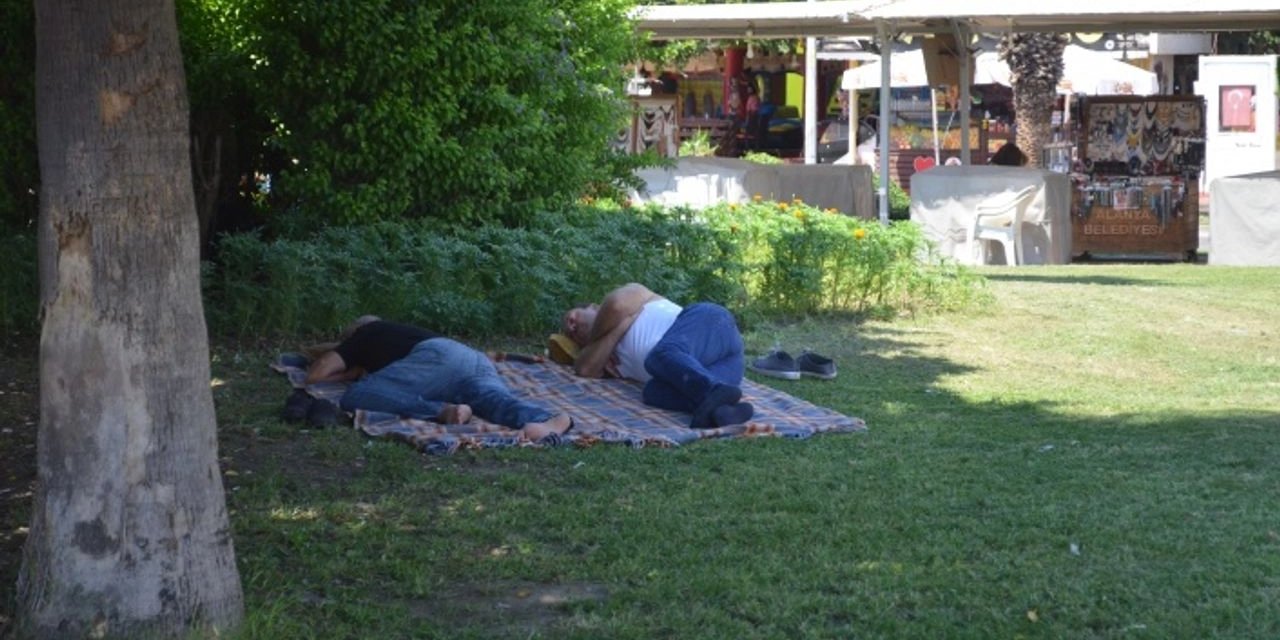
x=1136, y=185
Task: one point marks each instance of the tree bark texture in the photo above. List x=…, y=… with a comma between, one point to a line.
x=129, y=533
x=1035, y=67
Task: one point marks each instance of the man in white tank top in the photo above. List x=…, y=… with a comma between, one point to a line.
x=689, y=359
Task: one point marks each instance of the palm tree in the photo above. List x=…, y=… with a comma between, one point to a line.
x=1035, y=67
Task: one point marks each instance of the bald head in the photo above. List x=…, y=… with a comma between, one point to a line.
x=578, y=322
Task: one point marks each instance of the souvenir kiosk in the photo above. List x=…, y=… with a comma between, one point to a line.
x=1136, y=189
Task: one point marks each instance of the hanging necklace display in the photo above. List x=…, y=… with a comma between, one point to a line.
x=1140, y=155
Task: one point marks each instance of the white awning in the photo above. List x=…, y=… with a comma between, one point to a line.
x=860, y=17
x=1083, y=71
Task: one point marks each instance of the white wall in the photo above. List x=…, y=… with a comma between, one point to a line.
x=1238, y=90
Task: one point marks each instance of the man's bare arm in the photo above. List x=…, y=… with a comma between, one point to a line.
x=594, y=358
x=617, y=313
x=330, y=367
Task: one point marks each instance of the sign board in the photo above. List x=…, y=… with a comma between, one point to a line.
x=1240, y=114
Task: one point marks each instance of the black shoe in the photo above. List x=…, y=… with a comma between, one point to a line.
x=778, y=364
x=297, y=405
x=322, y=414
x=720, y=395
x=816, y=366
x=737, y=413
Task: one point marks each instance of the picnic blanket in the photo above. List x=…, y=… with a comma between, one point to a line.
x=603, y=410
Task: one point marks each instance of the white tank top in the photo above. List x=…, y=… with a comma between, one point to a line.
x=652, y=323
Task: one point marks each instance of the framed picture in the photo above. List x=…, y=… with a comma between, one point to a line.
x=1237, y=108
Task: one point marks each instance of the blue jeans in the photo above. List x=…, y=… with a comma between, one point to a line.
x=436, y=372
x=702, y=349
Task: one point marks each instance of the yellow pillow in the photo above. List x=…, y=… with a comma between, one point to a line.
x=562, y=349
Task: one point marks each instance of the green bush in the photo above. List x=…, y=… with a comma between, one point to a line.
x=761, y=260
x=699, y=145
x=899, y=199
x=471, y=111
x=19, y=173
x=19, y=284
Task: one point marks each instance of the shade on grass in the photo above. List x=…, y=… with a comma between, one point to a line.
x=1093, y=456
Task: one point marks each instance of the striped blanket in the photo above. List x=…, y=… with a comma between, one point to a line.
x=609, y=411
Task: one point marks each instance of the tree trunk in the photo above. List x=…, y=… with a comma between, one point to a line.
x=1033, y=117
x=1035, y=67
x=129, y=532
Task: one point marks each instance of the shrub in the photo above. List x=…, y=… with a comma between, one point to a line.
x=760, y=157
x=899, y=199
x=799, y=260
x=19, y=284
x=451, y=109
x=761, y=260
x=19, y=173
x=698, y=145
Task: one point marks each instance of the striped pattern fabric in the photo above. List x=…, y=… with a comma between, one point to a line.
x=604, y=411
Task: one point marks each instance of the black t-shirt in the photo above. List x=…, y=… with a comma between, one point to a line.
x=378, y=344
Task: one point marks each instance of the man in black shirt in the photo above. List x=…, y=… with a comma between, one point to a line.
x=409, y=371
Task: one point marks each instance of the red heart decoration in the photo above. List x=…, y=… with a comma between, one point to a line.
x=922, y=163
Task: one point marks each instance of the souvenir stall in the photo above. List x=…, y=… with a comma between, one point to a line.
x=653, y=125
x=1135, y=192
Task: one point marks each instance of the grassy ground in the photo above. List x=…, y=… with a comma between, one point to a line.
x=1095, y=456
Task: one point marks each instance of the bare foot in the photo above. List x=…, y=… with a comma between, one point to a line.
x=454, y=414
x=557, y=424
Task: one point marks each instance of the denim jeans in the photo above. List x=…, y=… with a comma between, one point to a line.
x=436, y=372
x=702, y=349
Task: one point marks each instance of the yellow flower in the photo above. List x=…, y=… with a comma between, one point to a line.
x=799, y=215
x=757, y=198
x=782, y=206
x=859, y=233
x=797, y=200
x=733, y=206
x=830, y=209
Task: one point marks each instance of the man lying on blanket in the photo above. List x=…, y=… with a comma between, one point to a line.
x=689, y=359
x=413, y=372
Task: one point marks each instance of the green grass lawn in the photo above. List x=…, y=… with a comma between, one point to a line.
x=1095, y=456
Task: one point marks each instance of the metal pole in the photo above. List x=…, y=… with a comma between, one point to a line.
x=966, y=80
x=853, y=126
x=886, y=51
x=933, y=109
x=810, y=99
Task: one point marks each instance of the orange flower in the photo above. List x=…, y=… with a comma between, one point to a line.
x=830, y=209
x=757, y=198
x=859, y=233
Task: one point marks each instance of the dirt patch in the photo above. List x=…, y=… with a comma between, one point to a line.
x=507, y=609
x=19, y=417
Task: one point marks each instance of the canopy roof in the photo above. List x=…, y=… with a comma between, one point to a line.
x=1083, y=71
x=861, y=17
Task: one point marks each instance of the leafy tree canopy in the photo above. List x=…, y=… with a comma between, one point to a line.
x=460, y=109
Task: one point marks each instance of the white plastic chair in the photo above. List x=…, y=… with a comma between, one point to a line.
x=1000, y=218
